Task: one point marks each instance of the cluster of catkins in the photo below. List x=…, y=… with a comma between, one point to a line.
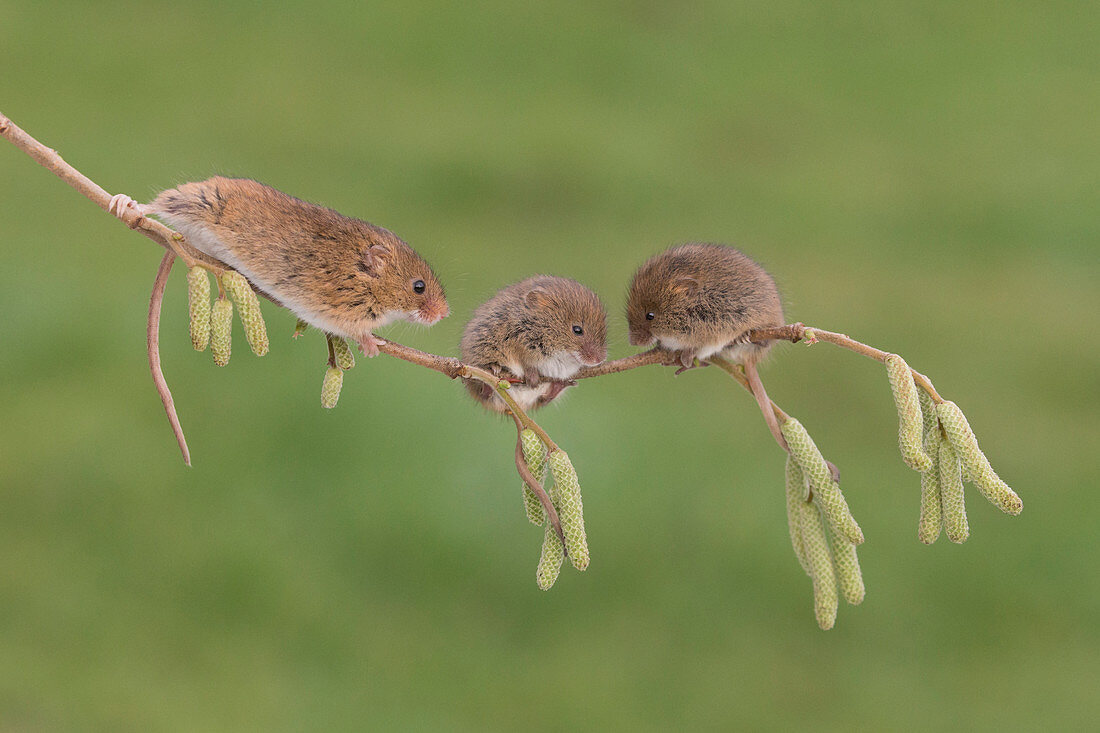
x=936, y=440
x=566, y=496
x=213, y=326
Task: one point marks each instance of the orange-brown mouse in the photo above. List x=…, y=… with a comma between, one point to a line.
x=339, y=274
x=542, y=330
x=701, y=300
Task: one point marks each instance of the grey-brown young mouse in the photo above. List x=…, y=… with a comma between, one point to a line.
x=701, y=300
x=543, y=328
x=338, y=274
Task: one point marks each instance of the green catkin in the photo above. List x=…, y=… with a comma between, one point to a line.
x=910, y=421
x=974, y=462
x=846, y=564
x=551, y=559
x=951, y=494
x=570, y=508
x=198, y=307
x=221, y=330
x=330, y=387
x=344, y=358
x=931, y=516
x=534, y=454
x=248, y=308
x=796, y=495
x=820, y=560
x=826, y=491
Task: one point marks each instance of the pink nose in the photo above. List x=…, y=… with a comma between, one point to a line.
x=434, y=310
x=593, y=354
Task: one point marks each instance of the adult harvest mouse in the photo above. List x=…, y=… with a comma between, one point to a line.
x=542, y=330
x=701, y=300
x=338, y=274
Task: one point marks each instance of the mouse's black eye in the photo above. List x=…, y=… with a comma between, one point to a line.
x=578, y=330
x=650, y=316
x=418, y=287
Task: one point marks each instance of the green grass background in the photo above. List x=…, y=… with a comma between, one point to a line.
x=923, y=177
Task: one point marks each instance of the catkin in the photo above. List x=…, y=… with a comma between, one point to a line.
x=846, y=564
x=198, y=307
x=907, y=402
x=550, y=561
x=796, y=495
x=248, y=308
x=534, y=454
x=974, y=462
x=344, y=358
x=931, y=516
x=951, y=494
x=221, y=331
x=821, y=565
x=826, y=491
x=330, y=387
x=570, y=508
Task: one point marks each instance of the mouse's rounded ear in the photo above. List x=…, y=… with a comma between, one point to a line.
x=374, y=259
x=684, y=286
x=536, y=297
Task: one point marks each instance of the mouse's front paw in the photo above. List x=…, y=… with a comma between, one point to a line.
x=369, y=344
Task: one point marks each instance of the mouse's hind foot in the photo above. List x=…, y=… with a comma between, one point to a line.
x=125, y=208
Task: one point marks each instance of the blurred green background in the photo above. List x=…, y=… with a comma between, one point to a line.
x=922, y=178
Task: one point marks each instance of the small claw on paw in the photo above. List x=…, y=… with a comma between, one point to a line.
x=369, y=344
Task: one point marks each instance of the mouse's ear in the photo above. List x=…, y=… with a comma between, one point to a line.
x=374, y=259
x=684, y=286
x=536, y=297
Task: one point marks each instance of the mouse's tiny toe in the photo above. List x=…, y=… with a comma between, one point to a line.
x=122, y=205
x=369, y=344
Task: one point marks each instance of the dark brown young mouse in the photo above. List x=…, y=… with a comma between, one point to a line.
x=701, y=300
x=342, y=275
x=543, y=328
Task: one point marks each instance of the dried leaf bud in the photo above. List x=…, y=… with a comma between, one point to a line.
x=198, y=307
x=534, y=454
x=952, y=500
x=974, y=462
x=910, y=420
x=330, y=388
x=821, y=565
x=826, y=491
x=344, y=358
x=796, y=495
x=570, y=508
x=550, y=561
x=248, y=307
x=221, y=330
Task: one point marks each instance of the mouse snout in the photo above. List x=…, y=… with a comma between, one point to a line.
x=640, y=337
x=592, y=353
x=432, y=311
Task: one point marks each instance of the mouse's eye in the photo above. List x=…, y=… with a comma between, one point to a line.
x=578, y=330
x=650, y=316
x=419, y=286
